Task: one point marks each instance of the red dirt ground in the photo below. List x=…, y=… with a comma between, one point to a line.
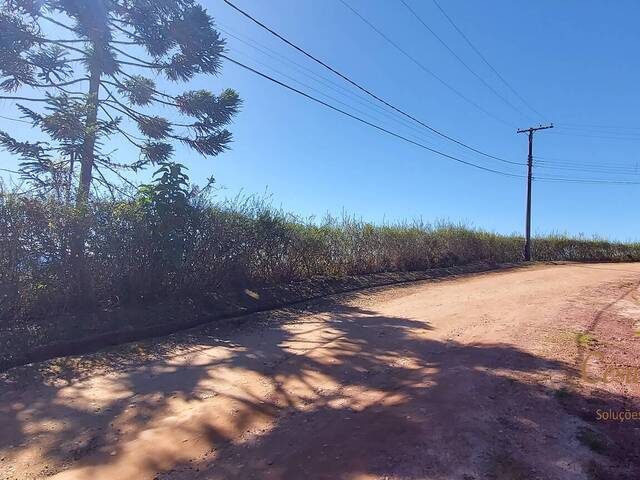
x=472, y=378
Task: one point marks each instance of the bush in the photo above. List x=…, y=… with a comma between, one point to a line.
x=136, y=256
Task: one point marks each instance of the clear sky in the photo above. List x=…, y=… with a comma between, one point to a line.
x=574, y=61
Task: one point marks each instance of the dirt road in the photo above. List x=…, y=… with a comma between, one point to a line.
x=471, y=378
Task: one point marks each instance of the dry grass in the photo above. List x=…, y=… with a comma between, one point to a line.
x=133, y=258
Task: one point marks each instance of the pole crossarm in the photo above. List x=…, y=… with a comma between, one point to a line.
x=533, y=129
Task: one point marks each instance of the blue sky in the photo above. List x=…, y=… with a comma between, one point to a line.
x=573, y=61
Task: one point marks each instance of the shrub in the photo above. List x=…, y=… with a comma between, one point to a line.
x=135, y=255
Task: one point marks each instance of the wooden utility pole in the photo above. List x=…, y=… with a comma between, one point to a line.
x=527, y=243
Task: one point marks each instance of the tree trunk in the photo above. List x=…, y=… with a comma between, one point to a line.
x=86, y=163
x=79, y=233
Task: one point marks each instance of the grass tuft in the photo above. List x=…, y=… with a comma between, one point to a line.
x=592, y=439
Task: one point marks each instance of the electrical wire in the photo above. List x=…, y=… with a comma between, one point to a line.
x=313, y=89
x=15, y=119
x=363, y=89
x=586, y=169
x=628, y=133
x=423, y=67
x=589, y=181
x=631, y=169
x=401, y=137
x=464, y=64
x=550, y=179
x=586, y=163
x=308, y=72
x=483, y=58
x=605, y=137
x=339, y=89
x=599, y=127
x=366, y=122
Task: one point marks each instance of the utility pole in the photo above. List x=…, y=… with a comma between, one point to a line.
x=527, y=244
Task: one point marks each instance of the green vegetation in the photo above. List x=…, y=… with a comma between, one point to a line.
x=592, y=439
x=83, y=237
x=585, y=340
x=90, y=89
x=563, y=394
x=173, y=242
x=84, y=74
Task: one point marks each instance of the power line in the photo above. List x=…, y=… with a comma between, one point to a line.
x=599, y=127
x=308, y=72
x=625, y=166
x=418, y=144
x=594, y=164
x=452, y=52
x=630, y=169
x=365, y=101
x=605, y=137
x=466, y=39
x=616, y=170
x=586, y=169
x=14, y=119
x=344, y=77
x=580, y=167
x=363, y=89
x=377, y=127
x=591, y=132
x=589, y=181
x=313, y=89
x=382, y=129
x=422, y=66
x=560, y=161
x=340, y=89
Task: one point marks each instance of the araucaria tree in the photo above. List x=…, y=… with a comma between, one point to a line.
x=83, y=72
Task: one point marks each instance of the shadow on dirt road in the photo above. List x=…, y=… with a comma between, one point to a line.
x=341, y=394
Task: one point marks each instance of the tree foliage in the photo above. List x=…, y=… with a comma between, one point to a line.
x=84, y=72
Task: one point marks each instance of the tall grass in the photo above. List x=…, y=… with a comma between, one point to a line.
x=220, y=247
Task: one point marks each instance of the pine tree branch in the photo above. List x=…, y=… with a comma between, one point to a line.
x=133, y=114
x=119, y=20
x=26, y=99
x=67, y=40
x=113, y=170
x=73, y=95
x=140, y=65
x=34, y=189
x=103, y=181
x=109, y=103
x=158, y=92
x=112, y=186
x=60, y=24
x=96, y=192
x=137, y=59
x=52, y=85
x=119, y=84
x=124, y=42
x=126, y=135
x=137, y=40
x=56, y=42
